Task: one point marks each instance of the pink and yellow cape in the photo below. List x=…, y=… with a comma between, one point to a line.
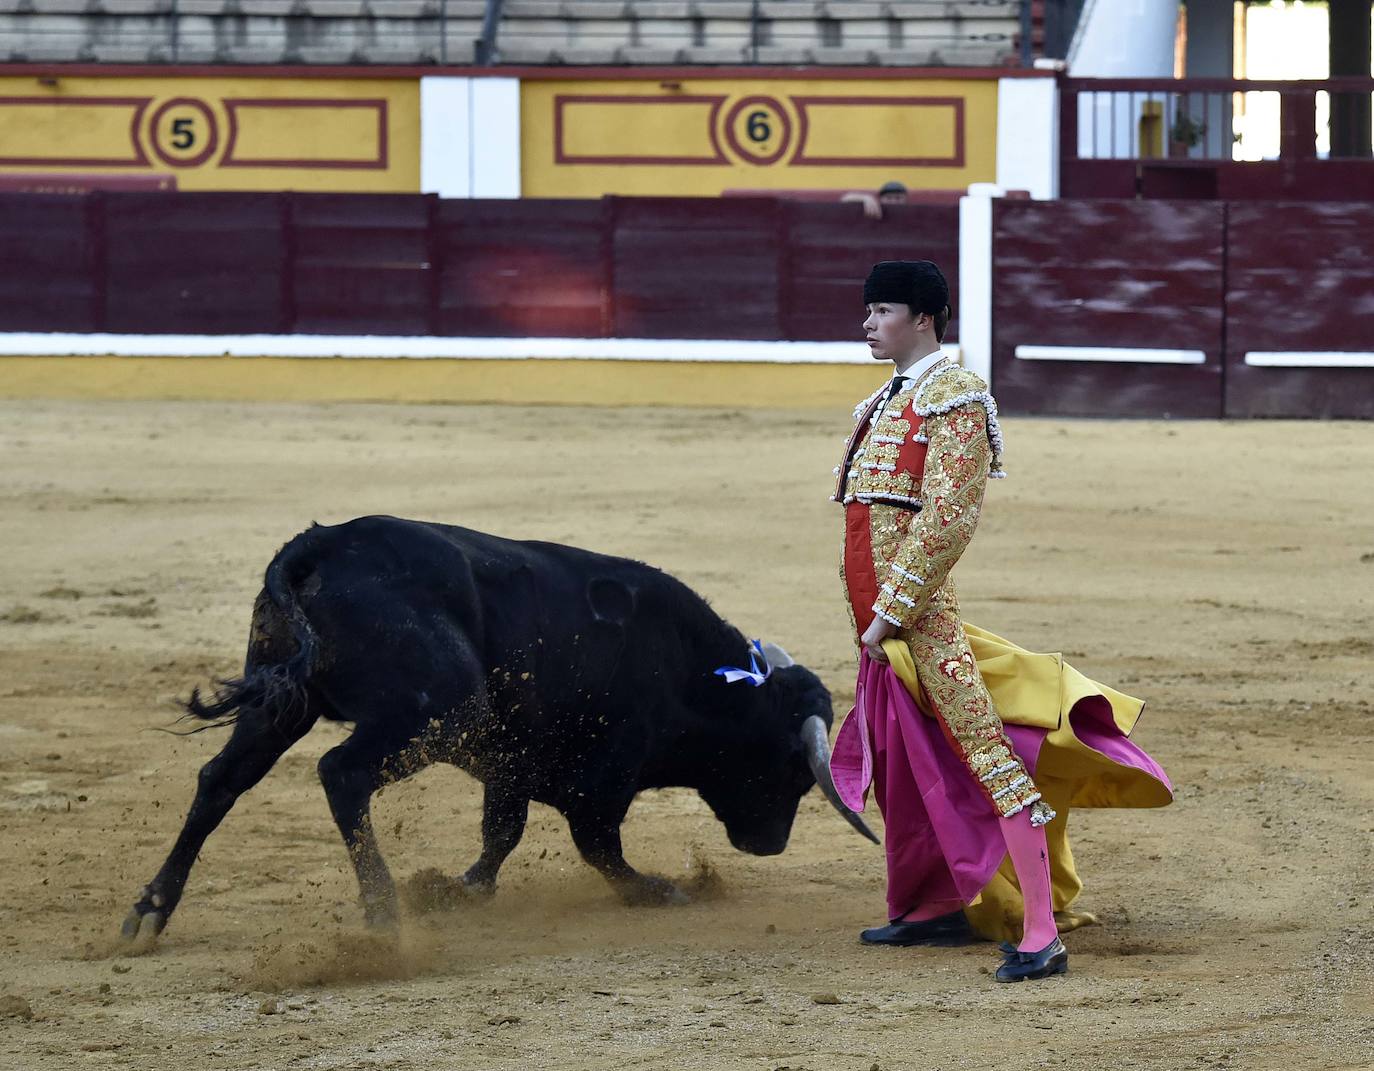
x=944, y=849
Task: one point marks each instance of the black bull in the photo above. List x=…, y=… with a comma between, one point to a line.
x=547, y=672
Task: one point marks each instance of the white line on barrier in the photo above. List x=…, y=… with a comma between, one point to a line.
x=1120, y=354
x=424, y=346
x=1308, y=359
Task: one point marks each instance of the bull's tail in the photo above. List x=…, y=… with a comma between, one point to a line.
x=276, y=687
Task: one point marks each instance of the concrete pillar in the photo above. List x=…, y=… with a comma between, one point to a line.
x=1028, y=136
x=495, y=137
x=470, y=136
x=1350, y=48
x=445, y=137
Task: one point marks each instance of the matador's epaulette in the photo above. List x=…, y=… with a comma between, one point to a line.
x=949, y=388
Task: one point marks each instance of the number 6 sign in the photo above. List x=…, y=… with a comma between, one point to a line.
x=758, y=130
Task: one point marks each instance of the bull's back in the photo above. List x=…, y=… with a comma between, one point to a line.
x=405, y=599
x=460, y=562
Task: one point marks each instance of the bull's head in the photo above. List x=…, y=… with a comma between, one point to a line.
x=761, y=780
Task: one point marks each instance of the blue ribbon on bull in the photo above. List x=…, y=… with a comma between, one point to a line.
x=758, y=670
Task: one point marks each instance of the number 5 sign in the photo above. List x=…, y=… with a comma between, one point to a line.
x=758, y=130
x=184, y=132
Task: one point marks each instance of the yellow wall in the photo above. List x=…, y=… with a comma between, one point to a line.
x=217, y=133
x=700, y=136
x=579, y=138
x=547, y=382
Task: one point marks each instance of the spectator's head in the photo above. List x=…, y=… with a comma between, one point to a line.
x=892, y=193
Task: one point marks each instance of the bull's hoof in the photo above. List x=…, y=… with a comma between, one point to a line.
x=140, y=930
x=145, y=921
x=382, y=917
x=652, y=892
x=476, y=886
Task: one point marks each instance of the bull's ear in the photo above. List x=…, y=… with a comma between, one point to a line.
x=777, y=657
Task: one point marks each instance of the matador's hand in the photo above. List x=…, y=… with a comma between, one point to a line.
x=872, y=639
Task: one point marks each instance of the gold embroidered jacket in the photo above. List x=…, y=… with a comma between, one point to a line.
x=930, y=448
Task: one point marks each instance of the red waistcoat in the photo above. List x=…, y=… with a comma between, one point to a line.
x=882, y=472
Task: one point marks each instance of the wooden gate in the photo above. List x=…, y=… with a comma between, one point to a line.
x=1183, y=308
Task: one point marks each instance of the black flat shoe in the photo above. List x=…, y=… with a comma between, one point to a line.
x=951, y=929
x=1027, y=966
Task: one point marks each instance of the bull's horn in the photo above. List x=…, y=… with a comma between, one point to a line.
x=777, y=657
x=817, y=743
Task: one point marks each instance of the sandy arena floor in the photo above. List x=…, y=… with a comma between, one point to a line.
x=1223, y=571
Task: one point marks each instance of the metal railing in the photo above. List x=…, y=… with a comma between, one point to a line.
x=1216, y=119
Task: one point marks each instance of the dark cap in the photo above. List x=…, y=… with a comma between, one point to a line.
x=891, y=187
x=917, y=283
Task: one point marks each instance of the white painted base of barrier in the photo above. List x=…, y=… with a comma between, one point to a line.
x=428, y=346
x=1308, y=359
x=1119, y=354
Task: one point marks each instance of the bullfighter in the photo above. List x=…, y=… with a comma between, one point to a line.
x=975, y=748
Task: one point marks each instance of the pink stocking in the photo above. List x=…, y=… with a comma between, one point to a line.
x=1030, y=858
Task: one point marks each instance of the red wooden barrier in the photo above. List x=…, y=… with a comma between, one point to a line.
x=1121, y=274
x=193, y=263
x=234, y=263
x=49, y=266
x=1300, y=278
x=830, y=248
x=1225, y=279
x=523, y=268
x=362, y=264
x=695, y=267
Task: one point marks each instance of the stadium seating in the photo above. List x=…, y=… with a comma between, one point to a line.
x=847, y=32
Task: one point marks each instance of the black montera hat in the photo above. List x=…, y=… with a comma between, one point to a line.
x=917, y=283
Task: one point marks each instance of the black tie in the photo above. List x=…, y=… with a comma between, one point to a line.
x=898, y=382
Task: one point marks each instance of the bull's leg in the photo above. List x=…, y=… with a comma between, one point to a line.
x=351, y=773
x=504, y=813
x=597, y=836
x=253, y=748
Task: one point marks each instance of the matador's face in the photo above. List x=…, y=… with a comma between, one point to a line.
x=893, y=333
